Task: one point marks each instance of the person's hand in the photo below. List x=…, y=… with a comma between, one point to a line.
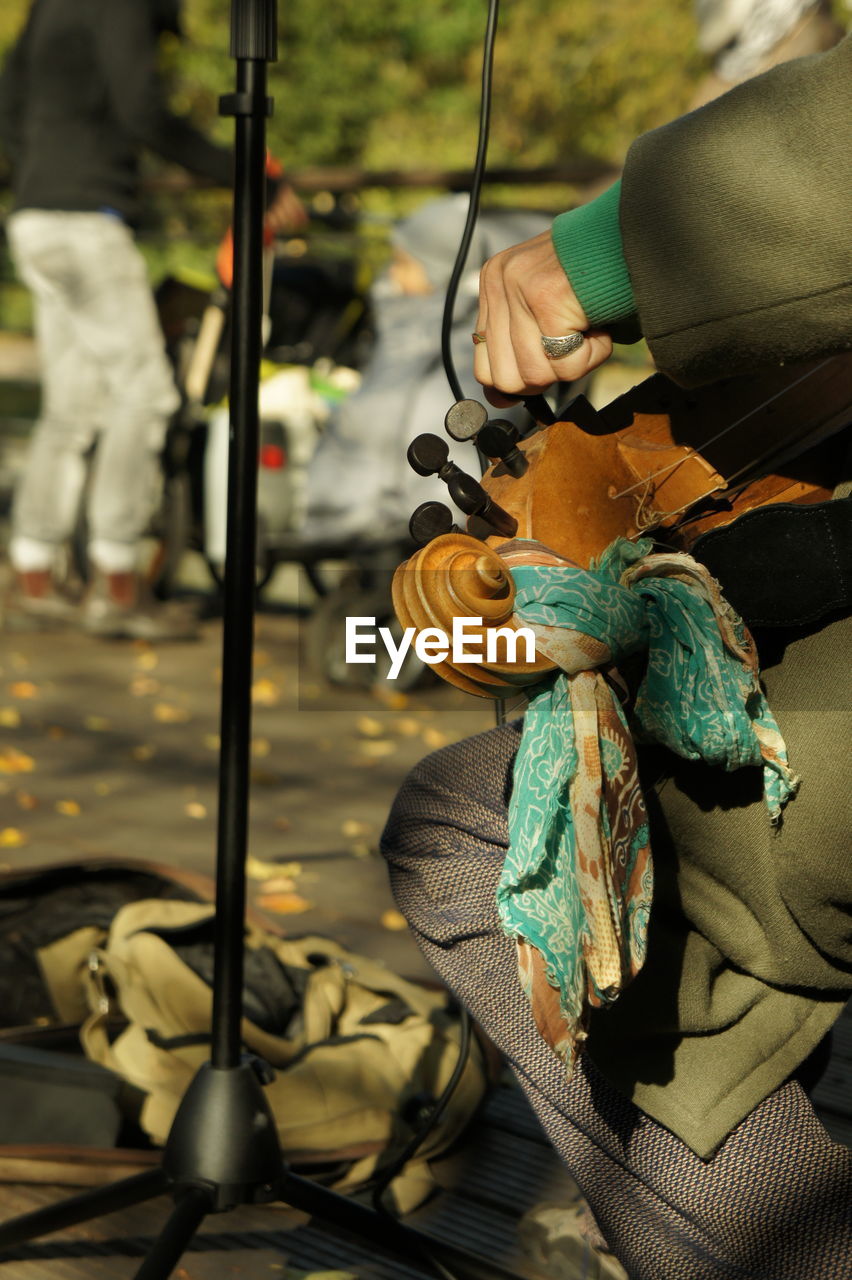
x=286, y=214
x=524, y=293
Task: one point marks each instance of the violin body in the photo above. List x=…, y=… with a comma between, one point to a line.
x=658, y=461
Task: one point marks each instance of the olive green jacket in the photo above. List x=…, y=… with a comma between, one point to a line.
x=735, y=241
x=736, y=224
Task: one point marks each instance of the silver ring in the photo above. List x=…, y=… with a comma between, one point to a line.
x=563, y=345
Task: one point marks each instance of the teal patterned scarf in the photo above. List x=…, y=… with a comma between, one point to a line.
x=576, y=885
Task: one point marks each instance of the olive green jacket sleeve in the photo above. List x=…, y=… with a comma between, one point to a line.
x=735, y=223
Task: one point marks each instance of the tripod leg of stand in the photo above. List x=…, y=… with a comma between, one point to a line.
x=83, y=1207
x=190, y=1209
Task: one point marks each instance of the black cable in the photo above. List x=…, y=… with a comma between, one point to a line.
x=475, y=193
x=435, y=1112
x=381, y=1185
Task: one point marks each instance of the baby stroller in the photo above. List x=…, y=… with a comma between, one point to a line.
x=318, y=332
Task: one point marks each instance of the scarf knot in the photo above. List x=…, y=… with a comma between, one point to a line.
x=577, y=882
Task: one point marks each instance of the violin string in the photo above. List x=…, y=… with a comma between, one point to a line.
x=693, y=452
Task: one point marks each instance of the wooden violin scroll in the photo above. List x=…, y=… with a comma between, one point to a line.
x=454, y=577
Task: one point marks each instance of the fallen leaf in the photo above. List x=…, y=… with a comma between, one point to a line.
x=24, y=689
x=352, y=828
x=169, y=713
x=260, y=658
x=143, y=752
x=102, y=789
x=147, y=659
x=212, y=741
x=14, y=761
x=293, y=1274
x=257, y=869
x=361, y=849
x=394, y=920
x=97, y=724
x=282, y=824
x=260, y=747
x=435, y=738
x=407, y=726
x=265, y=692
x=26, y=800
x=369, y=727
x=280, y=884
x=195, y=809
x=377, y=747
x=10, y=717
x=70, y=808
x=56, y=731
x=284, y=904
x=144, y=686
x=391, y=698
x=11, y=838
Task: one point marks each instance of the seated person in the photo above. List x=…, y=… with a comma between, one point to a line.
x=682, y=1119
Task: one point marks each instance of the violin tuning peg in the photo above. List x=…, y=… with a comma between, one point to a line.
x=427, y=454
x=470, y=497
x=499, y=439
x=538, y=408
x=429, y=521
x=465, y=419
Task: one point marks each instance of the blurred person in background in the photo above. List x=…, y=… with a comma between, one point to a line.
x=359, y=482
x=80, y=97
x=746, y=37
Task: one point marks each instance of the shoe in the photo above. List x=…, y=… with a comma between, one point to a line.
x=120, y=606
x=35, y=602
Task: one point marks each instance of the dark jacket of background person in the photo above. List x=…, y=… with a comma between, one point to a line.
x=81, y=95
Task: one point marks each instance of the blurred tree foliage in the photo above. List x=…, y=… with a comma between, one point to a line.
x=391, y=84
x=395, y=84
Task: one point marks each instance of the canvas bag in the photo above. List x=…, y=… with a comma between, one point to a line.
x=361, y=1054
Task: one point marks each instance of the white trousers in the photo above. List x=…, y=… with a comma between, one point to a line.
x=105, y=378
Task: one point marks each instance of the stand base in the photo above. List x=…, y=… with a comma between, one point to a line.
x=222, y=1152
x=223, y=1139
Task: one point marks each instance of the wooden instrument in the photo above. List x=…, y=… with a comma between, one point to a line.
x=659, y=460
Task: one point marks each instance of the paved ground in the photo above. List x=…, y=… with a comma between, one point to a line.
x=110, y=749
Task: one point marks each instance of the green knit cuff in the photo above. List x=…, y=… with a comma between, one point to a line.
x=588, y=244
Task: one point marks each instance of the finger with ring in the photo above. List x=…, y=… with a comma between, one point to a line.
x=478, y=338
x=562, y=345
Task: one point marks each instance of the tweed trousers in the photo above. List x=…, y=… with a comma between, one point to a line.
x=775, y=1200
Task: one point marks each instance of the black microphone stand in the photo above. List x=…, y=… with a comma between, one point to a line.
x=223, y=1149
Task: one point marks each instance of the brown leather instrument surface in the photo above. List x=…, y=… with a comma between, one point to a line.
x=659, y=460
